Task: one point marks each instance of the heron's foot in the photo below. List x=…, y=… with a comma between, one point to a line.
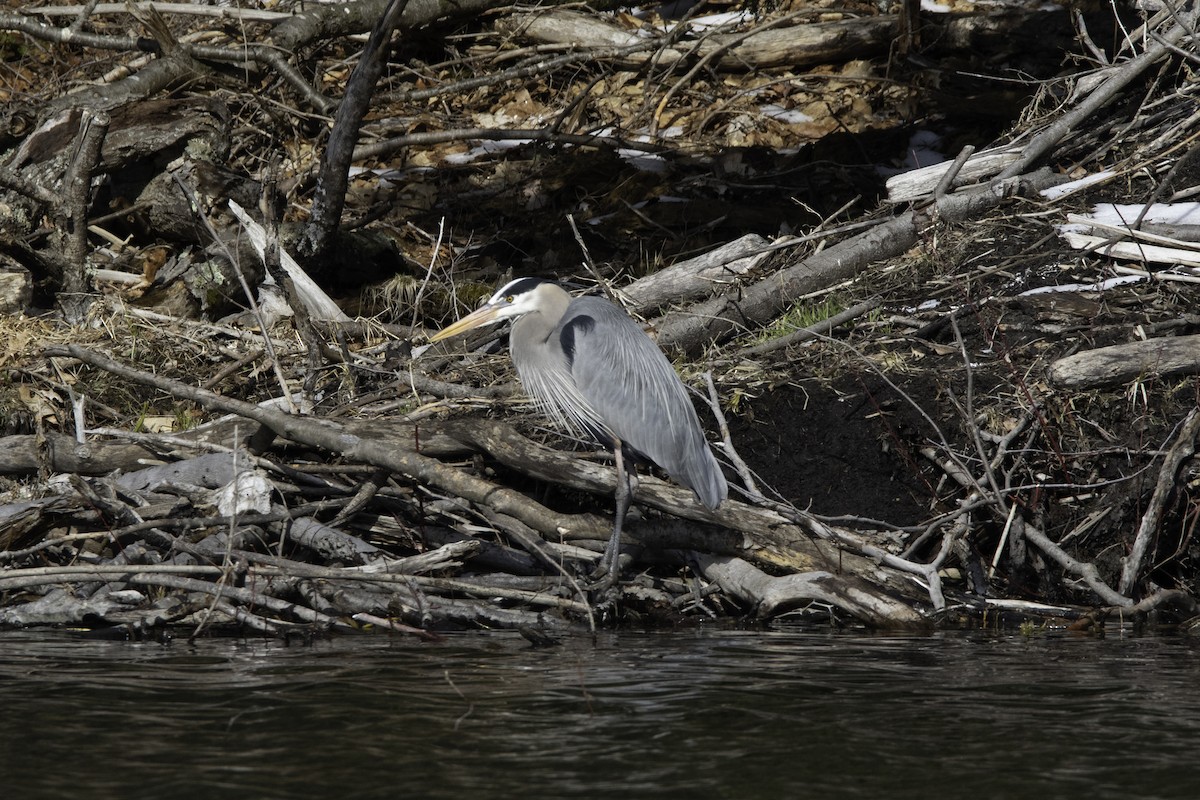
x=603, y=597
x=600, y=582
x=606, y=575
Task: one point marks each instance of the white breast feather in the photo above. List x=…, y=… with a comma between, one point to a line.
x=562, y=403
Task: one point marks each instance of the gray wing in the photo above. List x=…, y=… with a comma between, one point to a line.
x=632, y=387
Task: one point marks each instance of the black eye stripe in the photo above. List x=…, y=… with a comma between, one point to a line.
x=520, y=286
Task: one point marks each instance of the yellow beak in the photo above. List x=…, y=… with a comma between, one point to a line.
x=476, y=319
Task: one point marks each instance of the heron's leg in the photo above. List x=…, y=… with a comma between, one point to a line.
x=611, y=562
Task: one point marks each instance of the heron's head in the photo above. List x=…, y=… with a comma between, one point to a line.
x=515, y=299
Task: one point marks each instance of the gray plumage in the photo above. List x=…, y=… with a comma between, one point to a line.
x=595, y=372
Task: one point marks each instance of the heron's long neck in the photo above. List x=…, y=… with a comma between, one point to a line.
x=535, y=328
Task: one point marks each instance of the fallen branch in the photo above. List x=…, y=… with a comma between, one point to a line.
x=753, y=306
x=772, y=595
x=1183, y=449
x=1081, y=569
x=1164, y=357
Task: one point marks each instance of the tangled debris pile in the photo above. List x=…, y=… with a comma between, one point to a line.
x=936, y=409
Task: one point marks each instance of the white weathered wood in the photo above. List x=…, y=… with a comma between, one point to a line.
x=320, y=305
x=775, y=594
x=1134, y=251
x=921, y=182
x=1121, y=363
x=809, y=43
x=697, y=277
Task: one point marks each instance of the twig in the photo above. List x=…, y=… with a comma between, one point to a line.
x=392, y=625
x=968, y=415
x=1085, y=570
x=1008, y=524
x=84, y=14
x=735, y=458
x=232, y=367
x=947, y=180
x=433, y=257
x=77, y=405
x=823, y=328
x=590, y=265
x=1103, y=94
x=1183, y=449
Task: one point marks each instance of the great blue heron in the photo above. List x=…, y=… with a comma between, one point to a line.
x=595, y=372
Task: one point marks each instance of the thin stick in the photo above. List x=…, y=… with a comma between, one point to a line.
x=1183, y=449
x=590, y=265
x=1008, y=523
x=1085, y=570
x=743, y=470
x=824, y=327
x=948, y=178
x=437, y=248
x=235, y=263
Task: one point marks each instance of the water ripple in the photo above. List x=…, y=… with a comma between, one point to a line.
x=720, y=713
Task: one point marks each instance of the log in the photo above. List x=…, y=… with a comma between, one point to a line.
x=584, y=32
x=804, y=45
x=797, y=45
x=772, y=595
x=921, y=182
x=697, y=277
x=24, y=455
x=1121, y=363
x=757, y=304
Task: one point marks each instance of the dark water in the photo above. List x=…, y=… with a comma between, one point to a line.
x=702, y=714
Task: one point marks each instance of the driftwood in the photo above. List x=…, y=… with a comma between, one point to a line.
x=691, y=329
x=55, y=452
x=775, y=594
x=917, y=183
x=697, y=277
x=772, y=539
x=762, y=48
x=1164, y=357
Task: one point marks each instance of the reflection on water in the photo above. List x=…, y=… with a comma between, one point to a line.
x=716, y=714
